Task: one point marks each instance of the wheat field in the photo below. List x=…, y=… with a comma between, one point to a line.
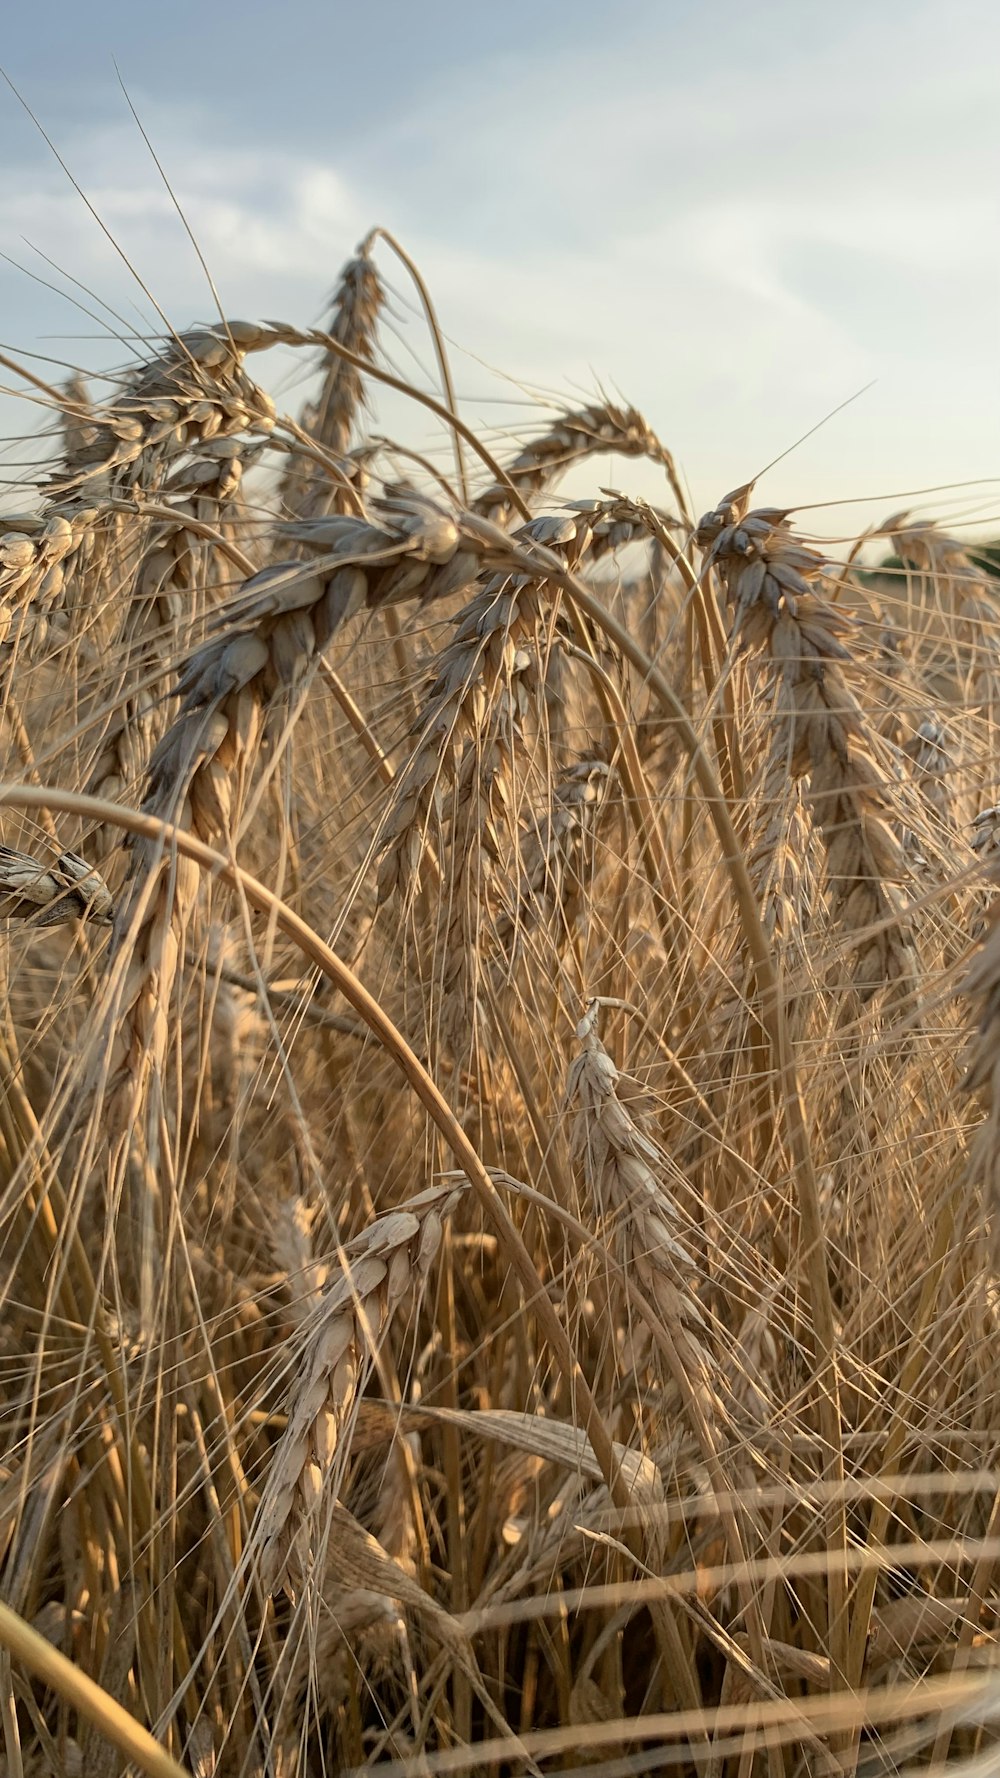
x=499, y=1020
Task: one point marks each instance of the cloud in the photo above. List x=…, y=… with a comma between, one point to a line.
x=738, y=229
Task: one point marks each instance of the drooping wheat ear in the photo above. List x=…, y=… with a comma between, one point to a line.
x=478, y=697
x=381, y=1268
x=170, y=588
x=261, y=646
x=364, y=1632
x=774, y=586
x=194, y=391
x=41, y=556
x=330, y=419
x=623, y=1172
x=39, y=894
x=260, y=650
x=571, y=439
x=56, y=567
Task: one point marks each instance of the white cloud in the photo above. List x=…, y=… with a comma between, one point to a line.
x=740, y=228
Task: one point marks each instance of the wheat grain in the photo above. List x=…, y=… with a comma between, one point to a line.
x=43, y=895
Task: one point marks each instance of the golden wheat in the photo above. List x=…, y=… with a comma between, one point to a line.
x=653, y=860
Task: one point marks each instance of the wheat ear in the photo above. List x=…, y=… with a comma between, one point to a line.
x=774, y=585
x=358, y=301
x=571, y=439
x=380, y=1269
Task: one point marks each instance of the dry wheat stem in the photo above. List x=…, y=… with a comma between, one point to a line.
x=788, y=1720
x=440, y=354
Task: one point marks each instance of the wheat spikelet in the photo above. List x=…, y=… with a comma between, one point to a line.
x=985, y=836
x=40, y=894
x=291, y=1237
x=778, y=859
x=377, y=1271
x=773, y=585
x=39, y=556
x=78, y=435
x=933, y=764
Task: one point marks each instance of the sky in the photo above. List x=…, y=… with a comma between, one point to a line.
x=737, y=215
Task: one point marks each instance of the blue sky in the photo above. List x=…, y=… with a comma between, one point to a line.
x=738, y=215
